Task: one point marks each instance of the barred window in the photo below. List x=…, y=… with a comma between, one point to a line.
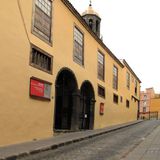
x=115, y=98
x=41, y=60
x=115, y=77
x=78, y=47
x=101, y=91
x=42, y=19
x=128, y=80
x=100, y=66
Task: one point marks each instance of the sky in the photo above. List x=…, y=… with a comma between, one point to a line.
x=131, y=30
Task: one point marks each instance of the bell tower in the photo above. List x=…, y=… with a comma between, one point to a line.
x=93, y=19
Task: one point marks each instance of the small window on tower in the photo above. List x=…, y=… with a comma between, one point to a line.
x=91, y=23
x=97, y=26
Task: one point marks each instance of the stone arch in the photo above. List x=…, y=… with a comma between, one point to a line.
x=87, y=105
x=65, y=86
x=69, y=70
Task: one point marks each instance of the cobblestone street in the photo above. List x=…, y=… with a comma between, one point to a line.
x=115, y=145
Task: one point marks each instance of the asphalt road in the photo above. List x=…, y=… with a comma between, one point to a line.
x=111, y=146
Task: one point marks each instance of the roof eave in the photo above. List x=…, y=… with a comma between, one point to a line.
x=130, y=69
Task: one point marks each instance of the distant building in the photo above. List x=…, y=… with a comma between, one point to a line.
x=149, y=104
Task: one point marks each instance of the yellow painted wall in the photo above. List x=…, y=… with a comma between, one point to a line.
x=155, y=106
x=23, y=118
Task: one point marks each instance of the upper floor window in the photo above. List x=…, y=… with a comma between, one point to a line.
x=144, y=109
x=43, y=19
x=135, y=90
x=115, y=77
x=41, y=60
x=145, y=97
x=100, y=66
x=132, y=79
x=128, y=80
x=78, y=46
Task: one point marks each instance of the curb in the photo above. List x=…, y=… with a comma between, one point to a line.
x=55, y=146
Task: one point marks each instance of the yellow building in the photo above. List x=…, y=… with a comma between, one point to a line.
x=57, y=74
x=155, y=107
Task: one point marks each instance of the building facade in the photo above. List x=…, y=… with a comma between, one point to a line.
x=57, y=74
x=149, y=104
x=145, y=102
x=155, y=108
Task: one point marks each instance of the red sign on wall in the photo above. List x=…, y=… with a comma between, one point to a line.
x=37, y=88
x=101, y=108
x=40, y=89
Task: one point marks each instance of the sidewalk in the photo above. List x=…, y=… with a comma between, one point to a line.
x=149, y=149
x=18, y=150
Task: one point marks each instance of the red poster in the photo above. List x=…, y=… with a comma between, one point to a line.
x=101, y=109
x=36, y=88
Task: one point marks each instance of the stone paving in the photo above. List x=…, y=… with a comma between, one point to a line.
x=116, y=145
x=149, y=149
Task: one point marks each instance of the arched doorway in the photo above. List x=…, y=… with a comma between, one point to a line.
x=66, y=85
x=87, y=106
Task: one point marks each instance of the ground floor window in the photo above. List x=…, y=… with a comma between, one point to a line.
x=115, y=98
x=41, y=60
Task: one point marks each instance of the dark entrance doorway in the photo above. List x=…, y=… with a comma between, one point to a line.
x=66, y=85
x=87, y=106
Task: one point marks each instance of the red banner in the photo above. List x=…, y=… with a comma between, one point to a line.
x=36, y=88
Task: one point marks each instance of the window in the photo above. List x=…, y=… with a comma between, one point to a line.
x=78, y=46
x=100, y=66
x=135, y=87
x=128, y=80
x=41, y=60
x=145, y=97
x=121, y=99
x=101, y=91
x=144, y=103
x=115, y=77
x=127, y=103
x=43, y=19
x=97, y=26
x=132, y=79
x=91, y=23
x=144, y=109
x=115, y=98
